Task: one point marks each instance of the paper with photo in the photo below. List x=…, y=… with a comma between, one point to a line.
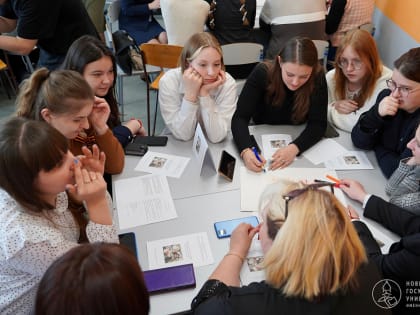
x=251, y=270
x=273, y=142
x=352, y=160
x=324, y=150
x=143, y=200
x=161, y=163
x=191, y=248
x=253, y=184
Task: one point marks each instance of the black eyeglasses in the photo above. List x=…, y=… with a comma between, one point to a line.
x=297, y=192
x=404, y=90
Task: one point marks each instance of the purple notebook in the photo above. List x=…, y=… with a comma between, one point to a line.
x=170, y=278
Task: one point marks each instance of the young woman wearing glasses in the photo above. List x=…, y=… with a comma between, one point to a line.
x=356, y=81
x=313, y=260
x=391, y=123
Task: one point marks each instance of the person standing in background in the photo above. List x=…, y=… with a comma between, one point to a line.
x=343, y=16
x=284, y=19
x=95, y=9
x=51, y=25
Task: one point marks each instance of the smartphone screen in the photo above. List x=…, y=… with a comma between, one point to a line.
x=129, y=240
x=170, y=278
x=227, y=165
x=225, y=228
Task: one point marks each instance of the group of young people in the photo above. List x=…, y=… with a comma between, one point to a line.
x=68, y=133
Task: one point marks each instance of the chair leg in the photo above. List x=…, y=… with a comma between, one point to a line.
x=120, y=94
x=156, y=109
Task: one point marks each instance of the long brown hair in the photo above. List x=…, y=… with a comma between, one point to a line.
x=364, y=45
x=54, y=90
x=300, y=50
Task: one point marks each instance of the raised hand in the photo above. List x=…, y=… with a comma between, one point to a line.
x=93, y=160
x=99, y=115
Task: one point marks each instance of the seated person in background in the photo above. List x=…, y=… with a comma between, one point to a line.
x=91, y=279
x=95, y=9
x=200, y=91
x=284, y=19
x=232, y=21
x=65, y=100
x=45, y=193
x=391, y=123
x=49, y=24
x=91, y=58
x=313, y=260
x=356, y=81
x=183, y=19
x=403, y=186
x=136, y=17
x=403, y=260
x=291, y=89
x=343, y=16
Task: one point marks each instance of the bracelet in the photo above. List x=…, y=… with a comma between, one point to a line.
x=243, y=152
x=236, y=255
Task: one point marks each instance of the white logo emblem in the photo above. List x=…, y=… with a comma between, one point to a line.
x=386, y=293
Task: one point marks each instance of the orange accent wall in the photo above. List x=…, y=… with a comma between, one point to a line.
x=404, y=13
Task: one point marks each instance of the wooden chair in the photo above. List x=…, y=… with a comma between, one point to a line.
x=164, y=57
x=241, y=54
x=6, y=79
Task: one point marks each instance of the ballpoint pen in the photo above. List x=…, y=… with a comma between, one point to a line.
x=254, y=149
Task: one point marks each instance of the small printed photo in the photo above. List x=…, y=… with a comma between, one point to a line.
x=351, y=160
x=158, y=162
x=198, y=145
x=254, y=263
x=172, y=253
x=278, y=144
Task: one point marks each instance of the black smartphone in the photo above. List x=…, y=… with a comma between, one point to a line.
x=137, y=149
x=152, y=141
x=330, y=132
x=169, y=278
x=129, y=240
x=226, y=166
x=255, y=144
x=225, y=228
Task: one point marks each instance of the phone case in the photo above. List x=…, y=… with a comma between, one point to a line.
x=136, y=149
x=225, y=228
x=129, y=240
x=226, y=165
x=170, y=278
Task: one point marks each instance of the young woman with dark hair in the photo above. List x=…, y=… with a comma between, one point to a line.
x=289, y=90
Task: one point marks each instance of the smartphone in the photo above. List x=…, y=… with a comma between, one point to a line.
x=152, y=141
x=169, y=278
x=226, y=166
x=330, y=132
x=129, y=240
x=137, y=149
x=255, y=144
x=225, y=228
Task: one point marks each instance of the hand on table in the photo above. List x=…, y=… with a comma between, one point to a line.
x=251, y=162
x=284, y=157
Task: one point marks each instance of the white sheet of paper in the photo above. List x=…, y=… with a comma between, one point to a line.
x=253, y=184
x=352, y=160
x=250, y=271
x=161, y=163
x=180, y=250
x=271, y=143
x=324, y=150
x=143, y=200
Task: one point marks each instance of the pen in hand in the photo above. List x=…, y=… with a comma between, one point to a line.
x=254, y=149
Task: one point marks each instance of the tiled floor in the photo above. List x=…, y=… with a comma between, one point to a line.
x=134, y=102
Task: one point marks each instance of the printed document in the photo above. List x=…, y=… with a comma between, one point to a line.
x=143, y=200
x=352, y=160
x=161, y=163
x=324, y=150
x=273, y=142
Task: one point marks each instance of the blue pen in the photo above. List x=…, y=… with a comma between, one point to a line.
x=254, y=149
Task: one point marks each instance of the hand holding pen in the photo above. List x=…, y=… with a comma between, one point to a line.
x=253, y=161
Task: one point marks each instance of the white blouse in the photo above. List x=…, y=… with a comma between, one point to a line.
x=347, y=121
x=214, y=112
x=30, y=243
